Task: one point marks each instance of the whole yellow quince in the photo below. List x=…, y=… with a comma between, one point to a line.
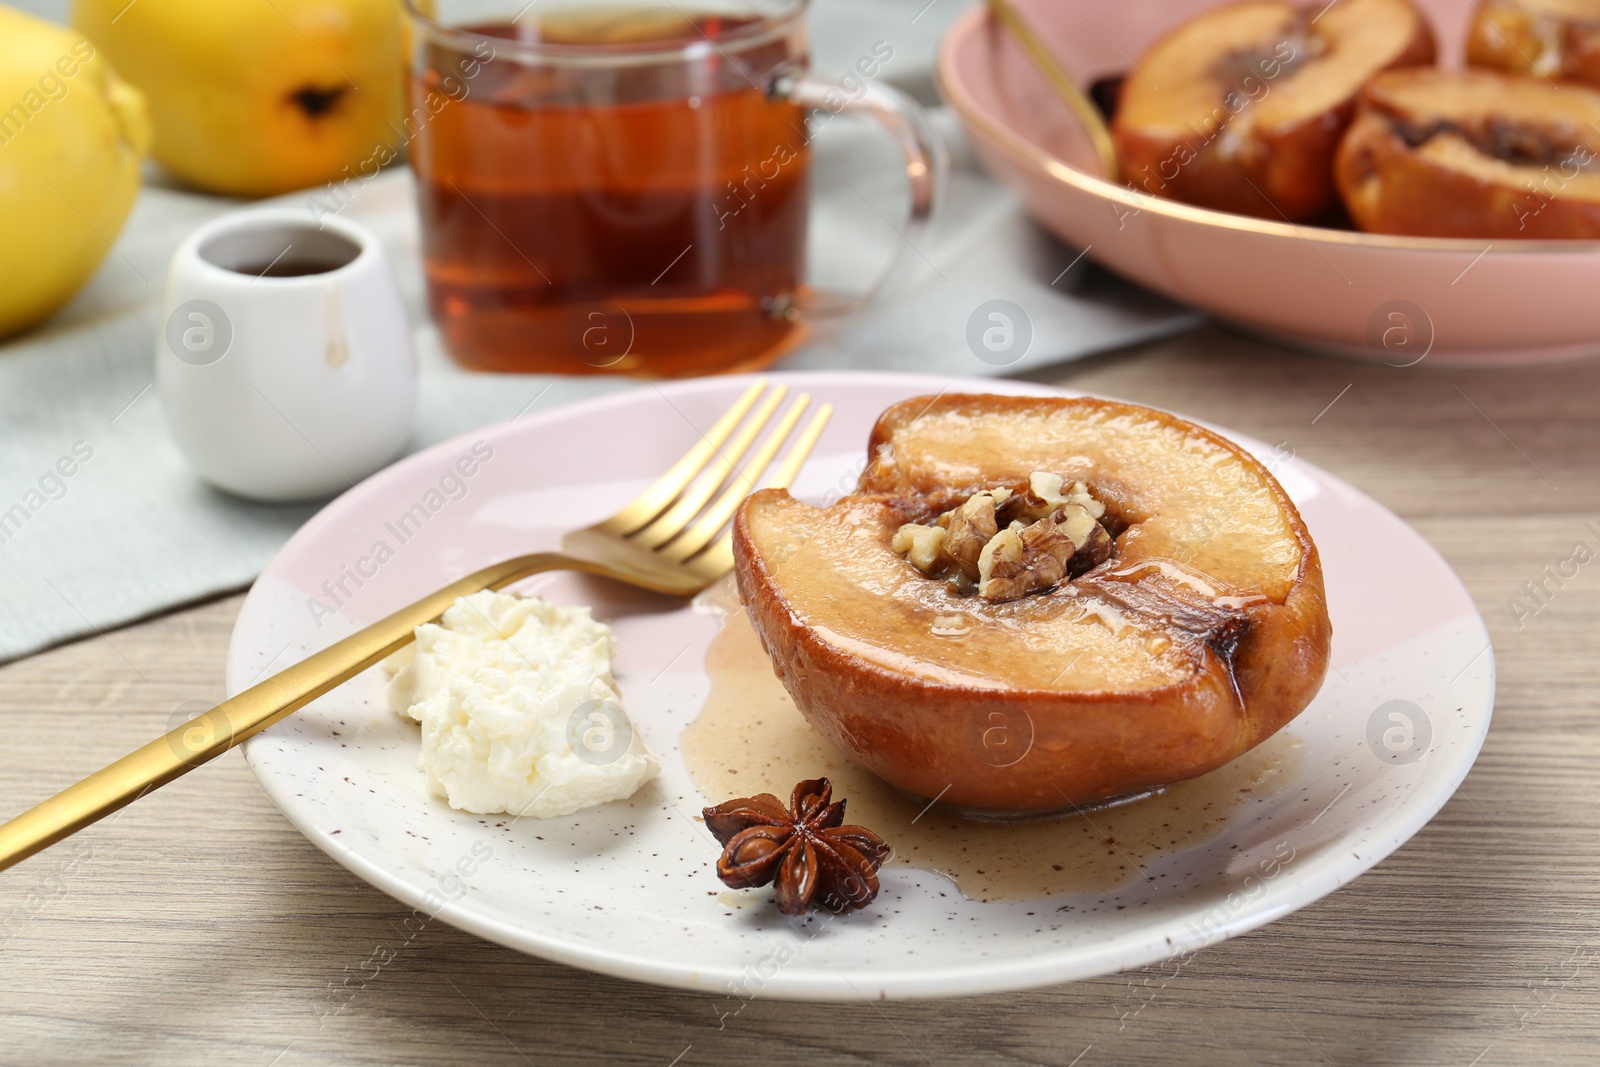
x=71, y=137
x=256, y=97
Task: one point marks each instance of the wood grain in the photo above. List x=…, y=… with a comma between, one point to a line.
x=201, y=928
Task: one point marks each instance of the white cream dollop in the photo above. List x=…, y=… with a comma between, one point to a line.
x=519, y=711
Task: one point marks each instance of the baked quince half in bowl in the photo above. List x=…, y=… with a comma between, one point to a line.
x=1544, y=38
x=1473, y=153
x=1030, y=604
x=1241, y=108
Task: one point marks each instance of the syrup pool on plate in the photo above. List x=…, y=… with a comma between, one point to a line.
x=750, y=738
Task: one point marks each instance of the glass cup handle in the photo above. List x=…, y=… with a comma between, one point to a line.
x=927, y=169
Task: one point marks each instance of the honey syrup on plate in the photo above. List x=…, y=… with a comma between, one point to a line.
x=749, y=738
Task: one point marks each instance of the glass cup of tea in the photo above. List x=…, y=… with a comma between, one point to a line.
x=622, y=187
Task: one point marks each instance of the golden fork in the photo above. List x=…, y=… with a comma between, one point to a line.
x=666, y=540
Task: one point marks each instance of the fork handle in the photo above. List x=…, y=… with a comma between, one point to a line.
x=212, y=733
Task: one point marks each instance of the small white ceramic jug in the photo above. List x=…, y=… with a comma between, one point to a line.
x=284, y=359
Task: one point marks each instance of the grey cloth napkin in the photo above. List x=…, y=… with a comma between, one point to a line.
x=101, y=522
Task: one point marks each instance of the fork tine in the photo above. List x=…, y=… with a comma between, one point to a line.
x=740, y=485
x=693, y=499
x=650, y=503
x=801, y=449
x=715, y=561
x=718, y=559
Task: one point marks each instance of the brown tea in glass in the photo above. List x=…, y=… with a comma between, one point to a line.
x=614, y=188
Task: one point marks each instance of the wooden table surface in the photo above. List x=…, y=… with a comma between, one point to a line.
x=199, y=927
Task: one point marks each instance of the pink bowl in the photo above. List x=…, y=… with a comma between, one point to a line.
x=1367, y=296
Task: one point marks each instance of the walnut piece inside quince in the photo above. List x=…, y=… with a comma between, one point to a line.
x=1029, y=559
x=1002, y=544
x=971, y=526
x=922, y=545
x=1053, y=490
x=1045, y=493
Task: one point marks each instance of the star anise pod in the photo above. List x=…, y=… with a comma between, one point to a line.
x=815, y=860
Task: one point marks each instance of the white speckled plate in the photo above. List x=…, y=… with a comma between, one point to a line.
x=628, y=889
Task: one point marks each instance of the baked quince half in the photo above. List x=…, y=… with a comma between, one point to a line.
x=1115, y=600
x=1545, y=38
x=1473, y=153
x=1241, y=108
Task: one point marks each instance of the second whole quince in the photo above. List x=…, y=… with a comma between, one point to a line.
x=255, y=98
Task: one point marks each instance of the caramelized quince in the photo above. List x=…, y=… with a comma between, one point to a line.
x=1547, y=38
x=1241, y=109
x=1198, y=629
x=1473, y=153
